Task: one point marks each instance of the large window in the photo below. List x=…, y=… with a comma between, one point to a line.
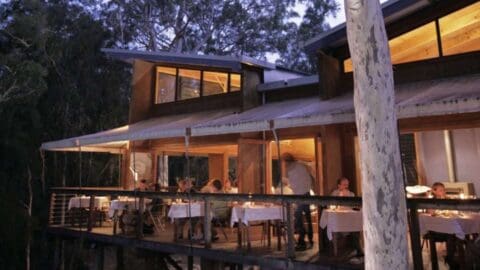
x=215, y=83
x=174, y=84
x=166, y=84
x=459, y=33
x=460, y=30
x=189, y=84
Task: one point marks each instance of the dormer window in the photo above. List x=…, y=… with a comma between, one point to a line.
x=458, y=32
x=174, y=84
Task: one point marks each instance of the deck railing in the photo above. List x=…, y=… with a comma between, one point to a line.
x=61, y=196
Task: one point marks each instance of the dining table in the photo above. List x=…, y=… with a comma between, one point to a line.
x=340, y=220
x=84, y=202
x=120, y=205
x=247, y=213
x=79, y=209
x=183, y=210
x=457, y=223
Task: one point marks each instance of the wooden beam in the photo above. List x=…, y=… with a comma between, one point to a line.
x=442, y=122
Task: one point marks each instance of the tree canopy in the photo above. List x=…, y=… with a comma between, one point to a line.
x=56, y=83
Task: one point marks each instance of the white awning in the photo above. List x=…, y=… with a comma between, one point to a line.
x=418, y=99
x=114, y=140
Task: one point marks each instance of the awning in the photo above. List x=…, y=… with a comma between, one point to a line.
x=114, y=140
x=418, y=99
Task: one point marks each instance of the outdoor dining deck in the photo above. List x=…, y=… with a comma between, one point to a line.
x=269, y=243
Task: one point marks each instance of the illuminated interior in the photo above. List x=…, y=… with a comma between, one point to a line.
x=179, y=84
x=459, y=32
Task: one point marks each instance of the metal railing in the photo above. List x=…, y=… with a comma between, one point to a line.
x=60, y=196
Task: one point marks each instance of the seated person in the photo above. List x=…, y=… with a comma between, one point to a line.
x=220, y=209
x=229, y=188
x=185, y=186
x=181, y=186
x=438, y=192
x=342, y=188
x=343, y=191
x=287, y=190
x=142, y=185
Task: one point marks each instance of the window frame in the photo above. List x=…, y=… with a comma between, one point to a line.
x=177, y=81
x=438, y=35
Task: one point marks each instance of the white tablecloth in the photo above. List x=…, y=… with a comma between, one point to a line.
x=84, y=202
x=180, y=210
x=341, y=221
x=460, y=225
x=255, y=213
x=123, y=204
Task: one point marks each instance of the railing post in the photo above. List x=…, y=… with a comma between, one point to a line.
x=141, y=208
x=51, y=219
x=207, y=228
x=91, y=215
x=415, y=239
x=321, y=246
x=290, y=230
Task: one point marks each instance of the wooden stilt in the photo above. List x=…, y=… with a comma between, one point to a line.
x=190, y=262
x=99, y=257
x=56, y=254
x=120, y=264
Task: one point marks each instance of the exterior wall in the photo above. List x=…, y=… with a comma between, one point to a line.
x=466, y=145
x=250, y=79
x=141, y=100
x=218, y=167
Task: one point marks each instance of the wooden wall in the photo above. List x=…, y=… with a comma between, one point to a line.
x=141, y=100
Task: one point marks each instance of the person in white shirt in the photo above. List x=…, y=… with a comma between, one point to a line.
x=287, y=190
x=300, y=180
x=342, y=188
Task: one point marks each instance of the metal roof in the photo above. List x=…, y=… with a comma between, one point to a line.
x=337, y=36
x=417, y=99
x=231, y=62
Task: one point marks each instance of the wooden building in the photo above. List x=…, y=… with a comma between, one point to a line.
x=237, y=110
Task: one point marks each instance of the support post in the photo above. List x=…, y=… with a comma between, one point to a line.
x=415, y=239
x=120, y=264
x=141, y=208
x=290, y=236
x=99, y=257
x=91, y=215
x=207, y=226
x=56, y=254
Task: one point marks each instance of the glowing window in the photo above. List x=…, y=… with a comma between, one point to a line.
x=235, y=82
x=188, y=84
x=460, y=30
x=418, y=44
x=214, y=83
x=165, y=85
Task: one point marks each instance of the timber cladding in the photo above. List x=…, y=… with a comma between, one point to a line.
x=208, y=103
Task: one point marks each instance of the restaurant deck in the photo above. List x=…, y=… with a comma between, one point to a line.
x=261, y=254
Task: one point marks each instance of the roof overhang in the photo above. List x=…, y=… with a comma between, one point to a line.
x=392, y=11
x=447, y=96
x=228, y=62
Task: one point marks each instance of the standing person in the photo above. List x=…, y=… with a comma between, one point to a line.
x=300, y=183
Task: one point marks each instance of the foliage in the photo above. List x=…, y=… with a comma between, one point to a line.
x=55, y=83
x=236, y=27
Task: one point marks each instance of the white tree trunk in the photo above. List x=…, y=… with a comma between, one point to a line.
x=384, y=210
